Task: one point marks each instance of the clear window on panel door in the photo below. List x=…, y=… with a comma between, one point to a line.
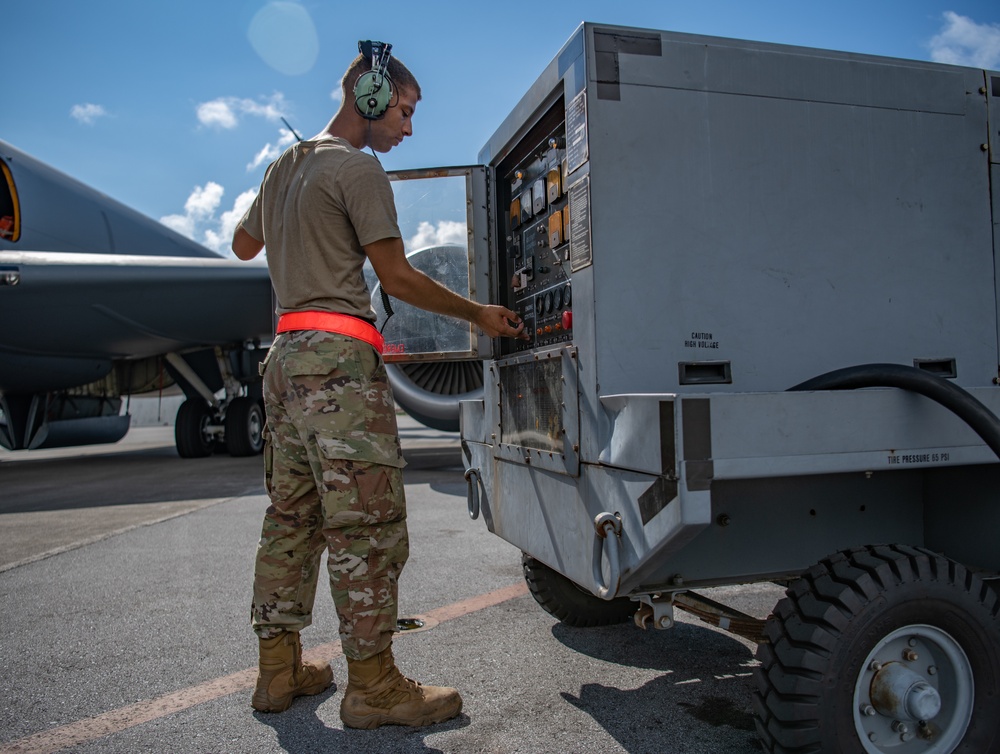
x=434, y=220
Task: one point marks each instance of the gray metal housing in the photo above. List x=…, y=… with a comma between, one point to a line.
x=753, y=215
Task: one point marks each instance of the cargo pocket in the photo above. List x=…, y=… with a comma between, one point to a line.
x=322, y=388
x=362, y=478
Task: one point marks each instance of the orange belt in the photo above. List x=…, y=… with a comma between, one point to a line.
x=342, y=324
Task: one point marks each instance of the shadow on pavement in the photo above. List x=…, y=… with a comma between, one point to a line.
x=301, y=731
x=151, y=475
x=706, y=681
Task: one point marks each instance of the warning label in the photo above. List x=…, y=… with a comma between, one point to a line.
x=701, y=340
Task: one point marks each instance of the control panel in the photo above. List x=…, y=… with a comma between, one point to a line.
x=533, y=253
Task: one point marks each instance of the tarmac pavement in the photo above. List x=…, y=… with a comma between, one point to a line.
x=125, y=578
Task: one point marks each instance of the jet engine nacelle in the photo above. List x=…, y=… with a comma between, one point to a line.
x=430, y=390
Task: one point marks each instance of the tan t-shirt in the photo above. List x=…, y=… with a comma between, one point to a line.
x=318, y=205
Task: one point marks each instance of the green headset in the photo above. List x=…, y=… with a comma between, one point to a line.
x=373, y=91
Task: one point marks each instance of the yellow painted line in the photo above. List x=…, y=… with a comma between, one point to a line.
x=114, y=721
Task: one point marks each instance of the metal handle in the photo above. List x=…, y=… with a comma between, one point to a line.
x=472, y=499
x=608, y=527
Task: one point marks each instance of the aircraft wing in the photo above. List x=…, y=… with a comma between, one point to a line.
x=78, y=313
x=99, y=302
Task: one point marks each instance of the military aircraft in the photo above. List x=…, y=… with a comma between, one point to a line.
x=101, y=303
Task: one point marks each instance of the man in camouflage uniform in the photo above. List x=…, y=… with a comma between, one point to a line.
x=333, y=464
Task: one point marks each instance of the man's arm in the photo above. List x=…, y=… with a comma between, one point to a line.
x=400, y=280
x=245, y=246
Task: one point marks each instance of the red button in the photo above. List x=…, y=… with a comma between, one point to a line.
x=567, y=320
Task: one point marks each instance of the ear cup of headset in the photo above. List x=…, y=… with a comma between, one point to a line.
x=372, y=100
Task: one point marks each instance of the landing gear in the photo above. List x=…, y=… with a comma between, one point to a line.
x=882, y=650
x=244, y=425
x=563, y=599
x=199, y=432
x=193, y=433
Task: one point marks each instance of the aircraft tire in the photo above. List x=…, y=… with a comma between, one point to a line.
x=244, y=426
x=191, y=429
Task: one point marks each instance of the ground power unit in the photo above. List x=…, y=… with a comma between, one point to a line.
x=760, y=284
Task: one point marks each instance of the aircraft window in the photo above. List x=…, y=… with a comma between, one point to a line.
x=10, y=214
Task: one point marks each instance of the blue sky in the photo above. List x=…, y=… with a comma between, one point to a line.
x=174, y=107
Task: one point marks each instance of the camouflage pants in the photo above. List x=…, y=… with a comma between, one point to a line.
x=333, y=472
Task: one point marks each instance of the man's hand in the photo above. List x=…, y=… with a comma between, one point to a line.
x=401, y=280
x=497, y=321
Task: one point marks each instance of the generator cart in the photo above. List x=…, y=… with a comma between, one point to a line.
x=760, y=284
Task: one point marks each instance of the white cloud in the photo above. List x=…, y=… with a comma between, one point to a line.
x=270, y=152
x=87, y=113
x=204, y=200
x=219, y=238
x=225, y=112
x=201, y=223
x=446, y=232
x=217, y=113
x=964, y=42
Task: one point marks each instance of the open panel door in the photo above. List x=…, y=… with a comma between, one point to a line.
x=443, y=220
x=434, y=361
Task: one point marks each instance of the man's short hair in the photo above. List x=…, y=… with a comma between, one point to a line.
x=399, y=73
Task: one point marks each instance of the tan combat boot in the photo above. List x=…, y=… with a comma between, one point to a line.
x=378, y=694
x=283, y=676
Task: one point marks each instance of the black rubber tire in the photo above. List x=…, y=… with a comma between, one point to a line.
x=244, y=425
x=192, y=441
x=822, y=632
x=563, y=599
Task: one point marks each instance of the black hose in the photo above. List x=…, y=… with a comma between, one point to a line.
x=962, y=403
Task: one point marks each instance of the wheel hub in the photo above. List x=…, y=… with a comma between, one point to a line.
x=901, y=694
x=914, y=693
